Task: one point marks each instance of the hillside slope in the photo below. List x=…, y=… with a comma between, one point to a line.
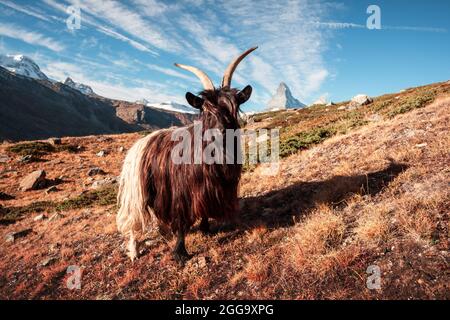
x=370, y=193
x=39, y=109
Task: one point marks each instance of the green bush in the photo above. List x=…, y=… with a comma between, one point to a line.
x=39, y=148
x=101, y=197
x=304, y=140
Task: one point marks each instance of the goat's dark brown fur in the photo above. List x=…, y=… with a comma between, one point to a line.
x=181, y=194
x=176, y=195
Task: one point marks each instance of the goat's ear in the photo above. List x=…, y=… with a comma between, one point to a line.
x=244, y=94
x=195, y=101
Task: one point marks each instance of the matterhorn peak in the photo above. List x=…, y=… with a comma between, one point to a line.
x=283, y=99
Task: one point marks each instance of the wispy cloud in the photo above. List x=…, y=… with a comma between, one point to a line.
x=128, y=20
x=25, y=10
x=109, y=31
x=30, y=37
x=127, y=89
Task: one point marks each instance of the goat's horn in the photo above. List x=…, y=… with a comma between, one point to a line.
x=206, y=81
x=226, y=81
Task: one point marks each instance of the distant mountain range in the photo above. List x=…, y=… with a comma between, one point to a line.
x=32, y=106
x=22, y=65
x=283, y=99
x=169, y=106
x=79, y=86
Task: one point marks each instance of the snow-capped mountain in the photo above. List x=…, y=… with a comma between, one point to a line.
x=22, y=65
x=79, y=86
x=283, y=99
x=169, y=106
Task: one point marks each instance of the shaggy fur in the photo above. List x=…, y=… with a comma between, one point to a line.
x=155, y=191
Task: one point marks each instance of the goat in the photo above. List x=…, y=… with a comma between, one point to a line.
x=155, y=192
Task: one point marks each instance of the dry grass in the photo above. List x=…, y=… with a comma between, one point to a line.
x=374, y=195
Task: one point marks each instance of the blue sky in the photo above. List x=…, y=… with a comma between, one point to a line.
x=126, y=49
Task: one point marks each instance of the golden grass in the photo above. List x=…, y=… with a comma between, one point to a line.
x=314, y=239
x=309, y=232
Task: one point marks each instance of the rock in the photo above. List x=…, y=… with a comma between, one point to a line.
x=51, y=189
x=421, y=145
x=95, y=171
x=104, y=182
x=4, y=158
x=101, y=153
x=16, y=235
x=342, y=108
x=353, y=105
x=27, y=159
x=48, y=261
x=201, y=262
x=54, y=141
x=33, y=181
x=5, y=196
x=39, y=217
x=56, y=216
x=362, y=99
x=121, y=149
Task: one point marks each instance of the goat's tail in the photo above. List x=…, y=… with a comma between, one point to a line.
x=134, y=214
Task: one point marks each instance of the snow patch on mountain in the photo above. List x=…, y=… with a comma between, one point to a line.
x=22, y=65
x=283, y=99
x=85, y=89
x=169, y=106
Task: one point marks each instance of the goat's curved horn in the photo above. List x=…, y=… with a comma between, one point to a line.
x=226, y=81
x=206, y=81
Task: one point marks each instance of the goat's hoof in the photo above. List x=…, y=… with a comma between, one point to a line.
x=181, y=258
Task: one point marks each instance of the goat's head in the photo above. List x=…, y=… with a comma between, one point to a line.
x=224, y=101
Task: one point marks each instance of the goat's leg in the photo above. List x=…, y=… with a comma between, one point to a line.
x=204, y=226
x=180, y=253
x=132, y=247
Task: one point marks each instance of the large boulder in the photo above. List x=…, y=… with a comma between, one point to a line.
x=33, y=181
x=362, y=99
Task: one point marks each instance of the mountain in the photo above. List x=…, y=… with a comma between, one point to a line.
x=173, y=106
x=79, y=86
x=283, y=99
x=22, y=65
x=38, y=109
x=150, y=118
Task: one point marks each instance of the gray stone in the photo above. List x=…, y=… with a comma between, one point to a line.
x=48, y=261
x=95, y=171
x=55, y=141
x=353, y=105
x=33, y=181
x=104, y=182
x=362, y=99
x=51, y=189
x=101, y=153
x=16, y=235
x=39, y=217
x=27, y=159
